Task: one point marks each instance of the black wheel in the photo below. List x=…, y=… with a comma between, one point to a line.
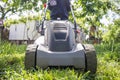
x=91, y=59
x=30, y=56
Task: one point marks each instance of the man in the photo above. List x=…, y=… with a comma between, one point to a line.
x=59, y=9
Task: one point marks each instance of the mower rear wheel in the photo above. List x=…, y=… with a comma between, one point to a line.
x=90, y=56
x=30, y=56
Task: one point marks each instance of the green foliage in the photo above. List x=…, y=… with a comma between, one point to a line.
x=18, y=6
x=8, y=48
x=108, y=62
x=30, y=4
x=23, y=19
x=4, y=0
x=113, y=33
x=9, y=6
x=44, y=1
x=92, y=10
x=115, y=6
x=27, y=1
x=12, y=65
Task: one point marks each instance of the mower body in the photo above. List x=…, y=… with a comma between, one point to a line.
x=58, y=47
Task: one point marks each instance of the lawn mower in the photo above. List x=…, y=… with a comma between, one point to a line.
x=57, y=46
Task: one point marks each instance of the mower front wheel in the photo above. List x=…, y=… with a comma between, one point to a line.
x=90, y=58
x=30, y=56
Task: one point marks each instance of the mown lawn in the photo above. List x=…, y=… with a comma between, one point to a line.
x=12, y=65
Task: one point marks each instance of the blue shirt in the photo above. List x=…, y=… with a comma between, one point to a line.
x=59, y=9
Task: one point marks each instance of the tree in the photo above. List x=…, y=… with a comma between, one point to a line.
x=7, y=6
x=31, y=4
x=113, y=33
x=116, y=6
x=90, y=12
x=112, y=36
x=13, y=6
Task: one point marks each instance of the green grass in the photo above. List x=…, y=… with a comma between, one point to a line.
x=12, y=66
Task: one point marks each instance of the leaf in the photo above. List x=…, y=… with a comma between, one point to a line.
x=5, y=1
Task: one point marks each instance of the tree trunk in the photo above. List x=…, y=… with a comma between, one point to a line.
x=4, y=33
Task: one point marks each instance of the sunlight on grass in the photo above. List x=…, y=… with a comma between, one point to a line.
x=12, y=66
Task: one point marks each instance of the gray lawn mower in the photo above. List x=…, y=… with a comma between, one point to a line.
x=57, y=46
